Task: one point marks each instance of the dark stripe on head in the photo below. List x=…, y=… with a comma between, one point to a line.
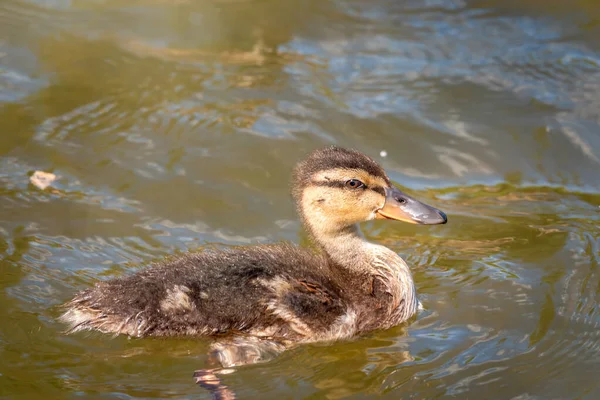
x=333, y=184
x=378, y=189
x=342, y=185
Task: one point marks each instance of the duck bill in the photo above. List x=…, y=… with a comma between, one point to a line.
x=401, y=207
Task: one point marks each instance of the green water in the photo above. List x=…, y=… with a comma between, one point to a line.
x=175, y=124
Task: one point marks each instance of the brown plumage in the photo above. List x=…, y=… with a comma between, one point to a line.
x=260, y=299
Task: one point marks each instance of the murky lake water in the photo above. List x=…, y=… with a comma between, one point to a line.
x=175, y=125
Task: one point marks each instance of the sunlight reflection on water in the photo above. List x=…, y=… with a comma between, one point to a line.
x=173, y=125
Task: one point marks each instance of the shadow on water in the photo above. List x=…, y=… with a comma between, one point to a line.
x=175, y=124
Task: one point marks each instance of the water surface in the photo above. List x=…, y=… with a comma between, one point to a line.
x=175, y=124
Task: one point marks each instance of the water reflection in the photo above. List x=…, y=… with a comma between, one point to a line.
x=175, y=124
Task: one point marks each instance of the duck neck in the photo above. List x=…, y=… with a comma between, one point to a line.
x=348, y=248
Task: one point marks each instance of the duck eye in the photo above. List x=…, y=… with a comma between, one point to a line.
x=354, y=184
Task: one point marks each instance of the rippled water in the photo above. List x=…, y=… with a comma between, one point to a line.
x=175, y=124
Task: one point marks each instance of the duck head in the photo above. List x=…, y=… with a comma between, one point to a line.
x=335, y=188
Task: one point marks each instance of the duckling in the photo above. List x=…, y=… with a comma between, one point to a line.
x=259, y=300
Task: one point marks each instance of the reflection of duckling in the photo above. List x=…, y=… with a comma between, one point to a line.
x=268, y=297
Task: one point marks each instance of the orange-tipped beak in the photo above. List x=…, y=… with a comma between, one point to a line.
x=401, y=207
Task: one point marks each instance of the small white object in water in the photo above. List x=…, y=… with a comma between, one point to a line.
x=42, y=179
x=383, y=153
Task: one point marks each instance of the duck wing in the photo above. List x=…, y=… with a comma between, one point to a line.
x=271, y=291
